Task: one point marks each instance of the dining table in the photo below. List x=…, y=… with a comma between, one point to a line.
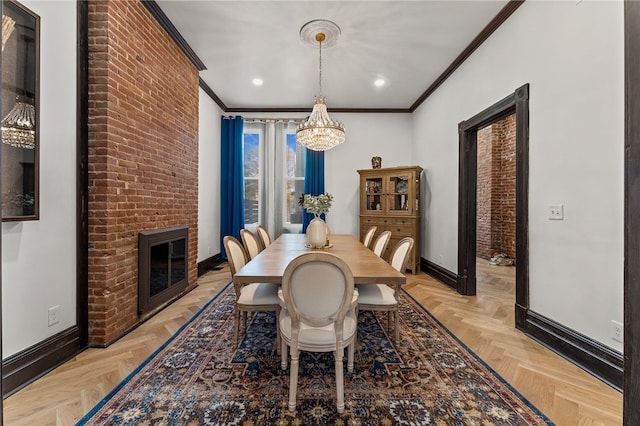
x=367, y=267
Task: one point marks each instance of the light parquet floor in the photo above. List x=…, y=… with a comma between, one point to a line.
x=565, y=393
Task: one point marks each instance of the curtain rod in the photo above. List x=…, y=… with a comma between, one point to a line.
x=247, y=119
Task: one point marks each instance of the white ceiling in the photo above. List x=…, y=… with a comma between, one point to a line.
x=407, y=43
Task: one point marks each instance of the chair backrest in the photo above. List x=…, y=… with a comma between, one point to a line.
x=318, y=289
x=251, y=243
x=400, y=254
x=380, y=244
x=368, y=237
x=264, y=236
x=236, y=256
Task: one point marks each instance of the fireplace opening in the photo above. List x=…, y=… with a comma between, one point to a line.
x=162, y=266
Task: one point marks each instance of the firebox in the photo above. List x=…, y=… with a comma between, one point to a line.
x=162, y=266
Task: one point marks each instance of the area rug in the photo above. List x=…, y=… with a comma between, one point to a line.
x=198, y=378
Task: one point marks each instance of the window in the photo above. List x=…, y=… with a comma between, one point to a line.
x=251, y=161
x=274, y=176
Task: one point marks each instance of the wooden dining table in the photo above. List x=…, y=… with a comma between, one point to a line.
x=366, y=266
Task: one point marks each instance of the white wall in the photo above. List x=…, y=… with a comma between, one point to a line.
x=208, y=178
x=572, y=56
x=386, y=135
x=39, y=257
x=367, y=135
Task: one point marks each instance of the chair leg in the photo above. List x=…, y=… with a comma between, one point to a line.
x=283, y=354
x=236, y=326
x=244, y=317
x=293, y=379
x=397, y=325
x=350, y=356
x=278, y=328
x=339, y=355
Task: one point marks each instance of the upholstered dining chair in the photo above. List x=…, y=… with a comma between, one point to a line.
x=380, y=244
x=249, y=297
x=251, y=243
x=368, y=237
x=263, y=235
x=318, y=315
x=381, y=297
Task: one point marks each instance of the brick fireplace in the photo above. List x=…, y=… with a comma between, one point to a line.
x=143, y=156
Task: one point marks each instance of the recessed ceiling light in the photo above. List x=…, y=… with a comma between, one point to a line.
x=379, y=82
x=257, y=81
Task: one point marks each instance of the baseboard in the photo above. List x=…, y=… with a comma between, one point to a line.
x=23, y=368
x=209, y=264
x=588, y=354
x=438, y=272
x=597, y=359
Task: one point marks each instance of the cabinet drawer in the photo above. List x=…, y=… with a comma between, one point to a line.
x=405, y=230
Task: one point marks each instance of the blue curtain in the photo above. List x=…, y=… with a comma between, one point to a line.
x=231, y=180
x=313, y=180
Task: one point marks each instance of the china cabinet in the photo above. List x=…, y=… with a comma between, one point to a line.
x=390, y=200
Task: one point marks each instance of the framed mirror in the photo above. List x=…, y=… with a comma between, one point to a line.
x=19, y=112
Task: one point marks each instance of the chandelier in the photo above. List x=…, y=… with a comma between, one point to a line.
x=18, y=127
x=319, y=132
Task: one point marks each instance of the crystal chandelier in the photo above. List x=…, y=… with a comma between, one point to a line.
x=320, y=132
x=18, y=127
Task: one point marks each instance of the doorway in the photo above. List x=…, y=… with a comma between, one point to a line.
x=517, y=103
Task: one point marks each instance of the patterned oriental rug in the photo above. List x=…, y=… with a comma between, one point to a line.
x=429, y=378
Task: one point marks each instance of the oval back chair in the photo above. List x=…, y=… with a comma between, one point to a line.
x=318, y=315
x=381, y=297
x=249, y=297
x=368, y=237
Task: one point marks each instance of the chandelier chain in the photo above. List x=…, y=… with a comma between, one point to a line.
x=320, y=73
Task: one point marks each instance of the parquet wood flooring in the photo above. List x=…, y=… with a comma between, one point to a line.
x=565, y=393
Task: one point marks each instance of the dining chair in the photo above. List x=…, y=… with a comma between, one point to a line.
x=368, y=237
x=380, y=244
x=318, y=315
x=249, y=297
x=381, y=297
x=263, y=235
x=251, y=243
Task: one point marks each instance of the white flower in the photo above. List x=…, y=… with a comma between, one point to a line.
x=316, y=204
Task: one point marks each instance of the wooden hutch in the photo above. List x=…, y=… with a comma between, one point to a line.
x=390, y=200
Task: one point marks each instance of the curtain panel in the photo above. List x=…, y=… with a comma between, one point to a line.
x=313, y=180
x=231, y=179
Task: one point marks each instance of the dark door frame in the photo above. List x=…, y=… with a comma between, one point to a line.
x=518, y=103
x=631, y=410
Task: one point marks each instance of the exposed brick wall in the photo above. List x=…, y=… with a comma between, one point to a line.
x=484, y=192
x=505, y=187
x=496, y=205
x=143, y=155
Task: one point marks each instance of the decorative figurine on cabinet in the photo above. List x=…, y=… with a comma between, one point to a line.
x=376, y=162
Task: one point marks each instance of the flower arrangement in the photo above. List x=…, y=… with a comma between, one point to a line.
x=316, y=204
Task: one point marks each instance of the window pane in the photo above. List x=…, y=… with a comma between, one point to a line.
x=295, y=157
x=251, y=177
x=251, y=201
x=294, y=188
x=251, y=155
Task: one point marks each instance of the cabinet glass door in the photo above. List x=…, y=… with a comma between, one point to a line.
x=398, y=190
x=374, y=197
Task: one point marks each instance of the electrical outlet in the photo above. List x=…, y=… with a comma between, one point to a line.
x=617, y=331
x=54, y=315
x=556, y=212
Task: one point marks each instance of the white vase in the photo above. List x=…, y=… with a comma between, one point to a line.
x=317, y=233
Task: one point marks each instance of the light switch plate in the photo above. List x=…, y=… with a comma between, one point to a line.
x=556, y=212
